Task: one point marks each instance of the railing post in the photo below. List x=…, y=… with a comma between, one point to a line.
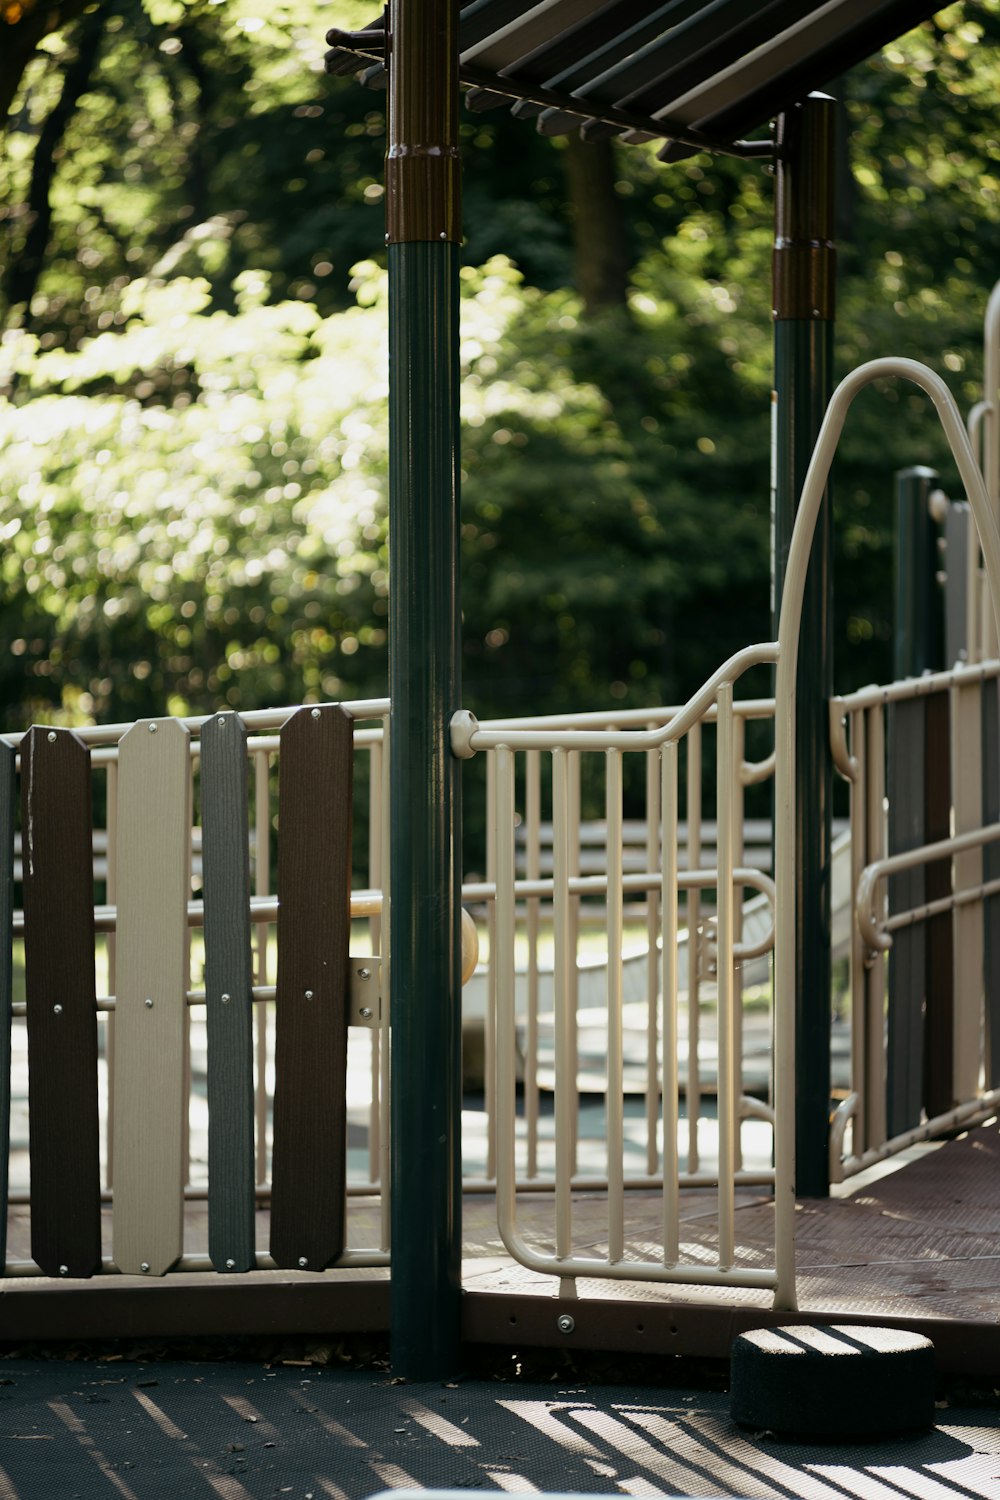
x=804, y=269
x=423, y=236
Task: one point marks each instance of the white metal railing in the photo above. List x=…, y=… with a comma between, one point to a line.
x=860, y=1135
x=504, y=743
x=515, y=753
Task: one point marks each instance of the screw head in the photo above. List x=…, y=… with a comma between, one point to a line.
x=51, y=736
x=315, y=713
x=153, y=728
x=364, y=973
x=565, y=1323
x=64, y=1270
x=144, y=1266
x=303, y=1261
x=148, y=1003
x=226, y=999
x=57, y=1010
x=309, y=994
x=366, y=1012
x=443, y=235
x=221, y=720
x=230, y=1264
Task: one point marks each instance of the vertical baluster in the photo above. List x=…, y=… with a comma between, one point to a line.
x=858, y=980
x=967, y=787
x=652, y=962
x=385, y=1173
x=736, y=780
x=728, y=1103
x=111, y=893
x=564, y=999
x=573, y=934
x=694, y=944
x=8, y=792
x=669, y=919
x=533, y=819
x=489, y=1029
x=375, y=837
x=615, y=1081
x=501, y=806
x=262, y=887
x=875, y=975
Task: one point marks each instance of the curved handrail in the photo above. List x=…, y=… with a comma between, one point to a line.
x=789, y=625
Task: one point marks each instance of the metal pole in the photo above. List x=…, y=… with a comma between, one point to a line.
x=423, y=236
x=804, y=271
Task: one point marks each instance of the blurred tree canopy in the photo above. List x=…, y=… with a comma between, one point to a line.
x=193, y=407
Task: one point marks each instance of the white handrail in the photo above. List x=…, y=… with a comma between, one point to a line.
x=785, y=719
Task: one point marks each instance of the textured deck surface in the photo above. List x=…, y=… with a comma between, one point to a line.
x=922, y=1243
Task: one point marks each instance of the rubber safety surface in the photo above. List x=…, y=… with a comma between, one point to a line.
x=119, y=1431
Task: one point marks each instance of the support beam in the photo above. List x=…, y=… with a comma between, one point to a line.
x=423, y=223
x=804, y=271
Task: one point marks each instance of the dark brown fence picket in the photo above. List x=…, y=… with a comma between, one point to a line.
x=907, y=960
x=8, y=761
x=314, y=890
x=58, y=879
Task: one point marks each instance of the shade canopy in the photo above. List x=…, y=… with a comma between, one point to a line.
x=698, y=76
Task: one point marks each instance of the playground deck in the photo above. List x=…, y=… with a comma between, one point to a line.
x=917, y=1246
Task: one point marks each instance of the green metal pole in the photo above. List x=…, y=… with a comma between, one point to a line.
x=918, y=636
x=804, y=272
x=423, y=235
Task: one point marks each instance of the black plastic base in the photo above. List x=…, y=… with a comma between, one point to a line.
x=832, y=1381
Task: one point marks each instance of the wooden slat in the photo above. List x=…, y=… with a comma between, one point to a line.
x=907, y=961
x=314, y=879
x=991, y=871
x=58, y=879
x=154, y=864
x=228, y=989
x=939, y=1026
x=8, y=760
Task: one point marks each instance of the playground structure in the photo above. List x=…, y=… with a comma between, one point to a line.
x=279, y=1134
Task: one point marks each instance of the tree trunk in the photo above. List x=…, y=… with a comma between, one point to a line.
x=599, y=241
x=24, y=271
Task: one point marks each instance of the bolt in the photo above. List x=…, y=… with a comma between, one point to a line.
x=64, y=1270
x=57, y=1010
x=364, y=973
x=144, y=1266
x=226, y=999
x=443, y=235
x=315, y=713
x=221, y=720
x=309, y=994
x=366, y=1012
x=148, y=1003
x=52, y=736
x=565, y=1323
x=230, y=1265
x=387, y=239
x=302, y=1261
x=152, y=728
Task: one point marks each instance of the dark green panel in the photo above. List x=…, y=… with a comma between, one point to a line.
x=908, y=958
x=228, y=990
x=8, y=760
x=308, y=1171
x=991, y=871
x=58, y=880
x=939, y=1021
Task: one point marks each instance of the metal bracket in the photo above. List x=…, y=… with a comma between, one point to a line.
x=366, y=992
